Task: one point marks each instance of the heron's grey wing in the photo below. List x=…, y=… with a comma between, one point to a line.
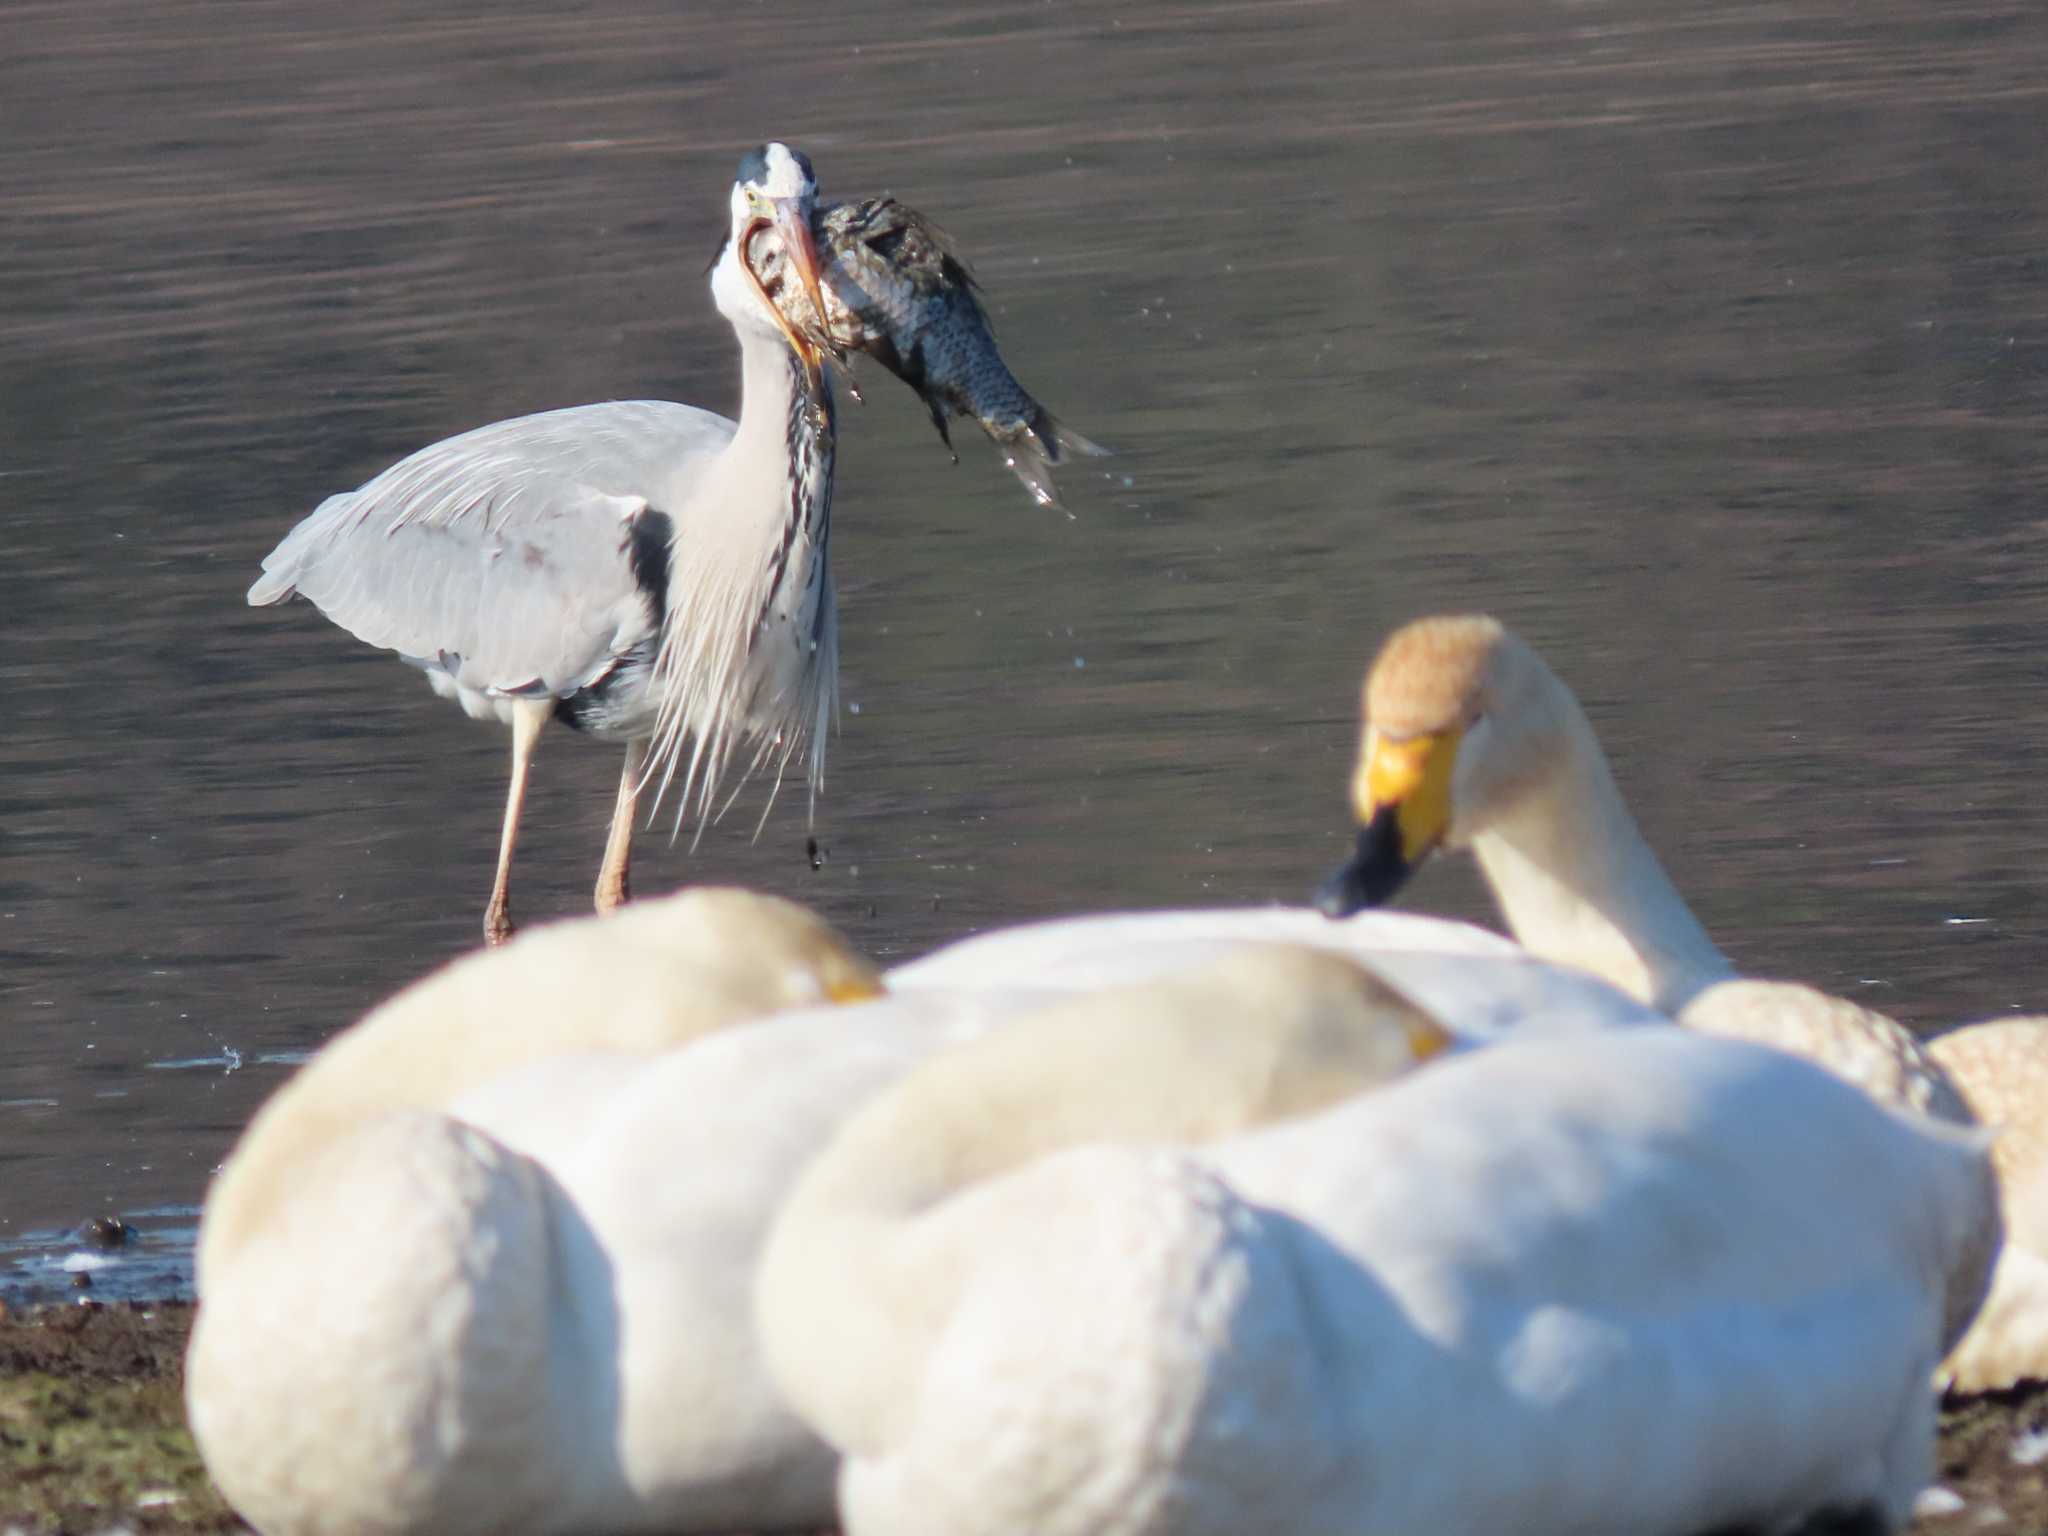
x=519, y=558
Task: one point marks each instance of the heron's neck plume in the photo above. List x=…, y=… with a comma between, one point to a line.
x=749, y=654
x=1577, y=884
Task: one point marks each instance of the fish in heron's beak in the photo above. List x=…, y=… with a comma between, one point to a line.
x=789, y=218
x=901, y=292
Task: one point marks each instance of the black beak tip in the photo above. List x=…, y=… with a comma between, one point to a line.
x=1340, y=896
x=1373, y=873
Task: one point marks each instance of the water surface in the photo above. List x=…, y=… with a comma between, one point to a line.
x=1705, y=345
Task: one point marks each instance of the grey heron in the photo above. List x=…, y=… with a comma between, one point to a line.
x=640, y=570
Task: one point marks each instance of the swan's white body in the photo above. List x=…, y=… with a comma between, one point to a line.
x=652, y=978
x=1471, y=741
x=674, y=1167
x=2002, y=1069
x=484, y=1265
x=1475, y=983
x=431, y=1272
x=543, y=1291
x=1634, y=1282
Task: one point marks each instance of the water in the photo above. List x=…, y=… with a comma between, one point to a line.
x=1708, y=347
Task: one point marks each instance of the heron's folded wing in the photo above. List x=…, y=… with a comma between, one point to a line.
x=521, y=557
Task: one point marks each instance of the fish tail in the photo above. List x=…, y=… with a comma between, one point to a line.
x=1060, y=440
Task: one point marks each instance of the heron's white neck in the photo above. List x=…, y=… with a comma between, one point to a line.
x=1577, y=884
x=879, y=1242
x=784, y=421
x=750, y=559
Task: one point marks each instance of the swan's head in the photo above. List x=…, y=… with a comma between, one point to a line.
x=1264, y=1032
x=768, y=241
x=1463, y=723
x=763, y=947
x=648, y=979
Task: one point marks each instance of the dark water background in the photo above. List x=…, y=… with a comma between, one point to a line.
x=1708, y=345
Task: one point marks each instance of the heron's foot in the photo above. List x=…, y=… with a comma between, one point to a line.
x=613, y=894
x=498, y=923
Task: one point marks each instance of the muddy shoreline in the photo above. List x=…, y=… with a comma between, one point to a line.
x=93, y=1437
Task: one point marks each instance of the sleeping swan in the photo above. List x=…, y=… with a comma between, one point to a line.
x=1477, y=984
x=408, y=1324
x=522, y=1302
x=2002, y=1069
x=1641, y=1282
x=659, y=974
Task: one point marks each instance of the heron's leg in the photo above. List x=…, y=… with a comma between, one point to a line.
x=528, y=716
x=613, y=889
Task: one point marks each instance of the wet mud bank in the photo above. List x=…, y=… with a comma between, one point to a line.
x=93, y=1436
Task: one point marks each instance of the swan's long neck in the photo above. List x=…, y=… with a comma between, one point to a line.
x=877, y=1244
x=750, y=651
x=1578, y=885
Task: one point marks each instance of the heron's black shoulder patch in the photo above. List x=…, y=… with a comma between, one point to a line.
x=648, y=533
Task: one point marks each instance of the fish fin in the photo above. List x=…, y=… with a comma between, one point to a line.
x=887, y=226
x=1065, y=441
x=1032, y=453
x=1056, y=441
x=1033, y=468
x=948, y=249
x=932, y=404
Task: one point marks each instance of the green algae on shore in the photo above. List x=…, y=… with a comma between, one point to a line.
x=92, y=1424
x=93, y=1436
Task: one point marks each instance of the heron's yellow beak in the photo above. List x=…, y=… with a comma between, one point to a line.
x=1402, y=798
x=790, y=218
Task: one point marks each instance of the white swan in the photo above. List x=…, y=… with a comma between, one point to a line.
x=2002, y=1068
x=524, y=1306
x=1638, y=1281
x=1470, y=741
x=659, y=974
x=408, y=1325
x=1477, y=984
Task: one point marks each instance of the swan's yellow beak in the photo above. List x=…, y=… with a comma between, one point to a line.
x=1426, y=1039
x=1402, y=798
x=854, y=988
x=1410, y=779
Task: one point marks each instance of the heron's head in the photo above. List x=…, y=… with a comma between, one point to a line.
x=769, y=242
x=1464, y=725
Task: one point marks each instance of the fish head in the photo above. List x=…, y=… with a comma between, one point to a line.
x=773, y=201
